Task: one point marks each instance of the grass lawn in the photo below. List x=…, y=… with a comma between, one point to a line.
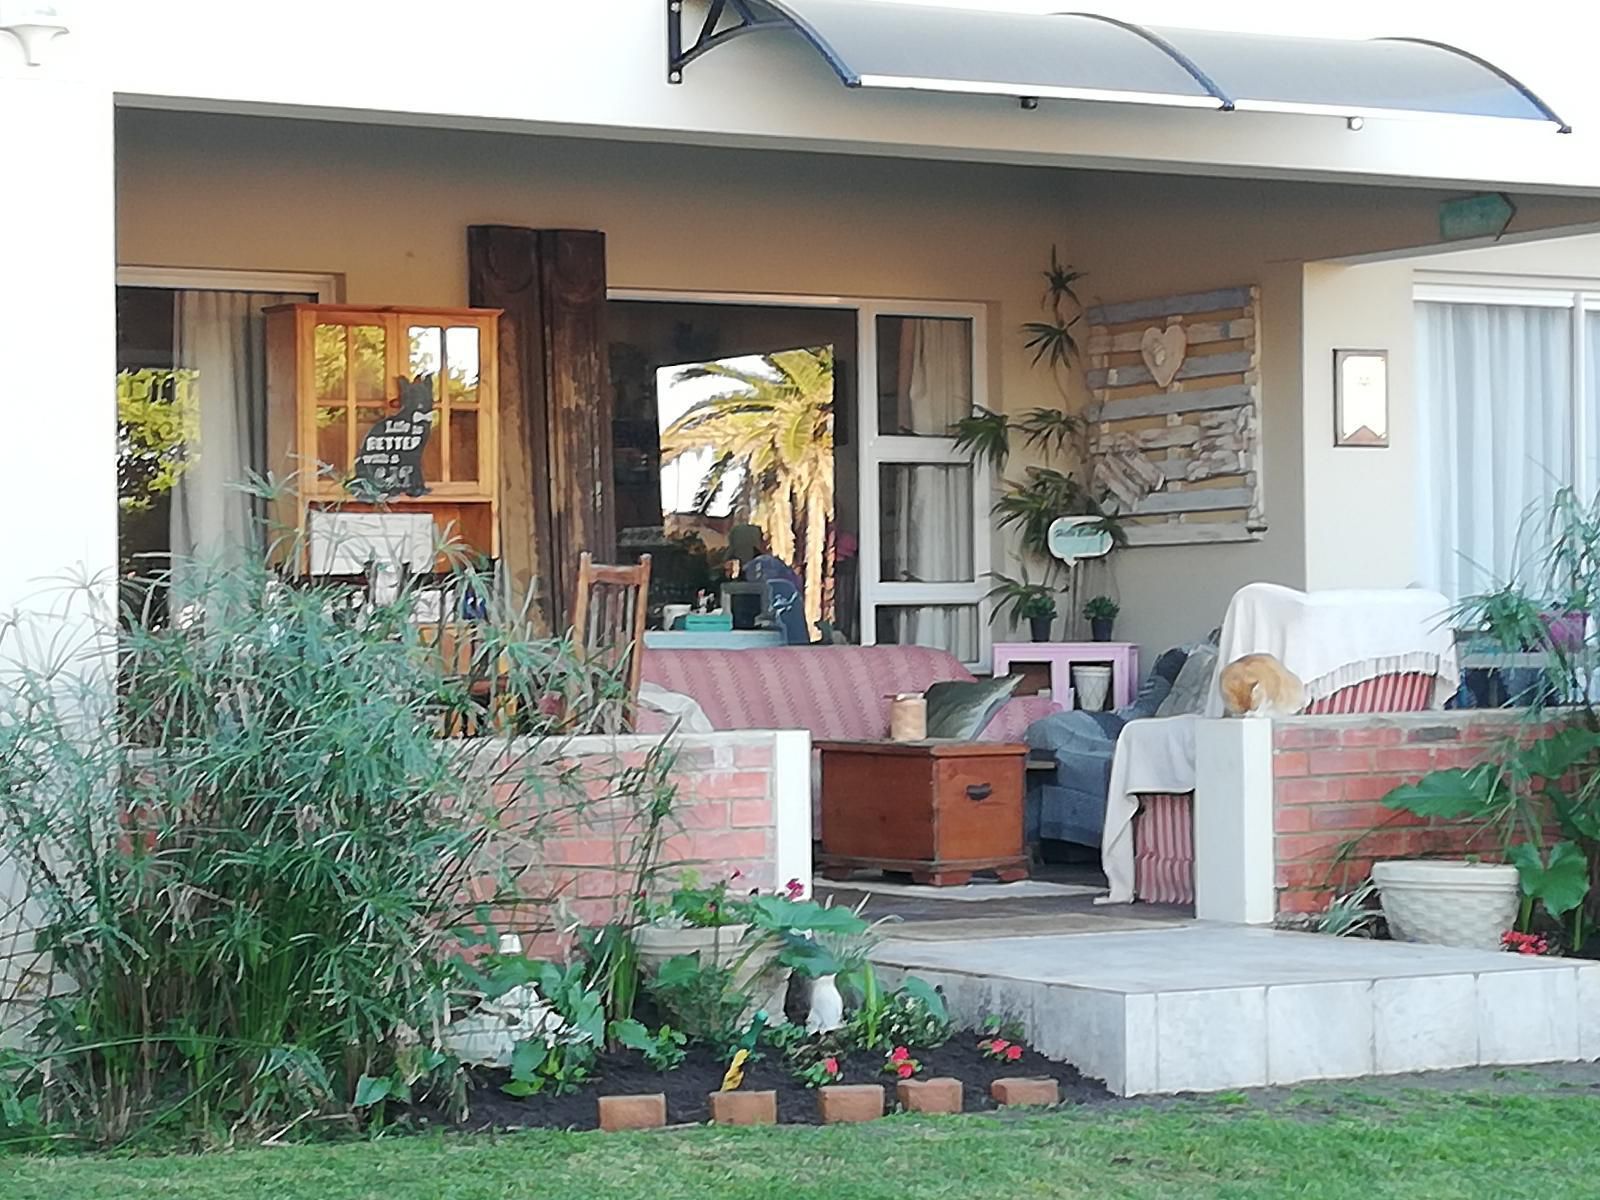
x=1332, y=1142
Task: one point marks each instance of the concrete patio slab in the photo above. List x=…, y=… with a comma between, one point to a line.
x=1204, y=1007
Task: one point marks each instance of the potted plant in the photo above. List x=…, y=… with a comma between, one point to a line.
x=1025, y=601
x=1448, y=902
x=713, y=923
x=1101, y=613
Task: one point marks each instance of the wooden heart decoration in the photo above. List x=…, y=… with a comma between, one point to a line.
x=1163, y=351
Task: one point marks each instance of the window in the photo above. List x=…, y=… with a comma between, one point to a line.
x=1507, y=392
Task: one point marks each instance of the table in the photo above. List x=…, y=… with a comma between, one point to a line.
x=938, y=810
x=1123, y=658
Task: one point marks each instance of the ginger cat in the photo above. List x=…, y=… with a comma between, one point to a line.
x=1258, y=685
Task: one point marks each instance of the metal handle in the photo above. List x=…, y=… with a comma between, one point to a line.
x=980, y=791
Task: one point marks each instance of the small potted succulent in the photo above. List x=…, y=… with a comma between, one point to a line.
x=1101, y=613
x=1032, y=602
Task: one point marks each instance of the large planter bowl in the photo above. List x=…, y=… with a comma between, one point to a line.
x=1448, y=903
x=759, y=973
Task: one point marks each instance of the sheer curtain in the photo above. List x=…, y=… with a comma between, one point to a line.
x=1494, y=397
x=221, y=335
x=927, y=535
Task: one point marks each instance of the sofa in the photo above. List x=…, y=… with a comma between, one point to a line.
x=833, y=692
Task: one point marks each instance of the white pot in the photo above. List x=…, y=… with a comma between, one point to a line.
x=1092, y=685
x=724, y=945
x=1448, y=903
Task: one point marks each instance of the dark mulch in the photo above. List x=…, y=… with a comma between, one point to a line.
x=687, y=1087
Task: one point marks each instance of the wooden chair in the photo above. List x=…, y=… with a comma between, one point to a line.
x=608, y=619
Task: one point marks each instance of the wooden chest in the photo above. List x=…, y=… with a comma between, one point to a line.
x=936, y=810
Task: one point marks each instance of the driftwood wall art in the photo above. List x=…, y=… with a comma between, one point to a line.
x=1176, y=434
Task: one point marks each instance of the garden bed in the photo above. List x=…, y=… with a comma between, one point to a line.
x=687, y=1087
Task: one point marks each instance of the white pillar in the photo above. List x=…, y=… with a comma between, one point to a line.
x=58, y=443
x=1234, y=872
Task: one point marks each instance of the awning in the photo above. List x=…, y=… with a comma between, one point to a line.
x=1082, y=56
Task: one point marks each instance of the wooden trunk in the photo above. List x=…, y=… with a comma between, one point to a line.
x=936, y=810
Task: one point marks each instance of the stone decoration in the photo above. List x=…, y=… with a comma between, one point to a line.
x=1176, y=416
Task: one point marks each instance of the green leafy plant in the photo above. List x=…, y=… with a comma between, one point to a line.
x=1021, y=598
x=1352, y=914
x=824, y=1072
x=663, y=1049
x=912, y=1016
x=1052, y=339
x=700, y=906
x=901, y=1064
x=984, y=436
x=1101, y=608
x=702, y=999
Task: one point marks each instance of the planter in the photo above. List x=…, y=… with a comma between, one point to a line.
x=759, y=973
x=1092, y=685
x=1039, y=627
x=1448, y=903
x=1100, y=628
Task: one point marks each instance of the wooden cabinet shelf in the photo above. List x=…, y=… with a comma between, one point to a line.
x=387, y=409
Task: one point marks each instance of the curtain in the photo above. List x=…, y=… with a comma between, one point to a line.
x=928, y=510
x=221, y=335
x=1494, y=397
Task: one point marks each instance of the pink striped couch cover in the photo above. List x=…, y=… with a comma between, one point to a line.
x=1163, y=830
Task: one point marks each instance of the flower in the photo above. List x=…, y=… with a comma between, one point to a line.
x=1013, y=1053
x=737, y=874
x=794, y=889
x=900, y=1054
x=906, y=1070
x=831, y=1065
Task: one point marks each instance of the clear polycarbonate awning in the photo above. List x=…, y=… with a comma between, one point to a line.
x=1083, y=56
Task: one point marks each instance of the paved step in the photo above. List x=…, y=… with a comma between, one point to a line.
x=1206, y=1007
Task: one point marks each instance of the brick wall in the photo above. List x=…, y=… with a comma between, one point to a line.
x=578, y=820
x=1330, y=775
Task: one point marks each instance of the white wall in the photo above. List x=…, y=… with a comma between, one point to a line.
x=597, y=68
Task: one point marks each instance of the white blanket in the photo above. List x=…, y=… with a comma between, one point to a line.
x=1336, y=639
x=1152, y=755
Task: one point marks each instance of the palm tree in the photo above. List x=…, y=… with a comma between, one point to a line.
x=773, y=430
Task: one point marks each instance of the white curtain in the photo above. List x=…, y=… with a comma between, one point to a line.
x=221, y=335
x=1494, y=432
x=928, y=511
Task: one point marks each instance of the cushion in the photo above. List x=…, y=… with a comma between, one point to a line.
x=1193, y=685
x=963, y=710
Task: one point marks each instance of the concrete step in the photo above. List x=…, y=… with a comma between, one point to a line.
x=1208, y=1007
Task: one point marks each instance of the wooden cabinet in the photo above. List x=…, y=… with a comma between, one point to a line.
x=347, y=405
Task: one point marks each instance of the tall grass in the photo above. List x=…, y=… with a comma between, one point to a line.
x=245, y=869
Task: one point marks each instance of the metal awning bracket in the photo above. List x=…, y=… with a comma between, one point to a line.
x=712, y=33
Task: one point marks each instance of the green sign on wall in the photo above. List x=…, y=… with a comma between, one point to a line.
x=1485, y=215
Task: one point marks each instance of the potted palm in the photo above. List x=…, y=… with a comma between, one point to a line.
x=1025, y=601
x=1101, y=613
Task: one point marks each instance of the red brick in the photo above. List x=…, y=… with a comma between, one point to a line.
x=846, y=1103
x=744, y=1108
x=1302, y=737
x=1025, y=1091
x=1356, y=818
x=1408, y=758
x=1292, y=818
x=752, y=756
x=727, y=847
x=633, y=1112
x=1341, y=762
x=581, y=852
x=1309, y=847
x=703, y=814
x=1304, y=791
x=940, y=1095
x=1304, y=900
x=751, y=814
x=1371, y=735
x=730, y=785
x=1369, y=787
x=1289, y=763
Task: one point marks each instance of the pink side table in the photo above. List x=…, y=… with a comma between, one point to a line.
x=1123, y=658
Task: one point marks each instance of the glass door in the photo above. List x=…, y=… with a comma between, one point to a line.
x=924, y=505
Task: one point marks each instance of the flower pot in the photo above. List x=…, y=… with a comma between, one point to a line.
x=1448, y=903
x=725, y=945
x=1567, y=630
x=1092, y=685
x=1040, y=627
x=1100, y=628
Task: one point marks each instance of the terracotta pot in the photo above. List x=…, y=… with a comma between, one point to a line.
x=758, y=974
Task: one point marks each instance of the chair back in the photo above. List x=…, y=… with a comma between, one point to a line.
x=608, y=620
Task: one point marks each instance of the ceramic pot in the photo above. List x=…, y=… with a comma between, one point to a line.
x=1040, y=627
x=1447, y=902
x=1092, y=685
x=758, y=974
x=1100, y=628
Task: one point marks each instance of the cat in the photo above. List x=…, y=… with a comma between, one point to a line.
x=1258, y=685
x=389, y=462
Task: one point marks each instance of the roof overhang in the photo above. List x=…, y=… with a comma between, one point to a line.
x=1084, y=56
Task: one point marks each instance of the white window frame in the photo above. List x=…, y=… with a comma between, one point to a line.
x=874, y=450
x=328, y=289
x=1579, y=297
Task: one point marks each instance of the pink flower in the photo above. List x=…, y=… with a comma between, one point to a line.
x=831, y=1065
x=900, y=1054
x=736, y=873
x=906, y=1070
x=1013, y=1053
x=795, y=889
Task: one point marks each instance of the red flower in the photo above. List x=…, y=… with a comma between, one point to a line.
x=906, y=1070
x=900, y=1054
x=736, y=874
x=1013, y=1053
x=795, y=889
x=831, y=1065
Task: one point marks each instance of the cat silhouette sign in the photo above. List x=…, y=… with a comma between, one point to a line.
x=389, y=460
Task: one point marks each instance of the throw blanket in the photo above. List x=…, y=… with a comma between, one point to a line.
x=1336, y=639
x=1152, y=756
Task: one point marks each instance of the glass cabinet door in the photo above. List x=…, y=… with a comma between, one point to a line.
x=451, y=355
x=350, y=373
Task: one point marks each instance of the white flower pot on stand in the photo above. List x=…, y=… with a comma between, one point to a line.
x=1448, y=903
x=1092, y=685
x=725, y=945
